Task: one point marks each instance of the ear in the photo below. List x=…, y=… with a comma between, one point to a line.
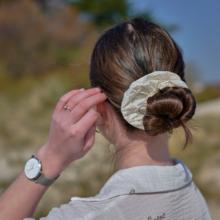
x=106, y=112
x=102, y=109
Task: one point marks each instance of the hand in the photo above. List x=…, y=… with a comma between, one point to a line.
x=72, y=133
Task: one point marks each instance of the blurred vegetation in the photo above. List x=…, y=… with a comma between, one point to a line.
x=35, y=40
x=208, y=93
x=105, y=13
x=45, y=50
x=110, y=12
x=32, y=42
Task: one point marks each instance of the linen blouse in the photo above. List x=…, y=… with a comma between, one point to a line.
x=147, y=192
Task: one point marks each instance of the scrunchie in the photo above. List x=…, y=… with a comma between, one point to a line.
x=134, y=102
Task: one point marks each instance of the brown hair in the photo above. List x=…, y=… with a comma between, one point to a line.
x=130, y=50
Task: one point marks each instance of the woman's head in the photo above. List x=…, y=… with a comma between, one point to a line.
x=127, y=52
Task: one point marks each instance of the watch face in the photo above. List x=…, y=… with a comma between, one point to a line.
x=32, y=168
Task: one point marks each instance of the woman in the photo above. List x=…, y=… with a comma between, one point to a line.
x=144, y=96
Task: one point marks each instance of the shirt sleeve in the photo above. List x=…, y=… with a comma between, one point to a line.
x=64, y=212
x=54, y=214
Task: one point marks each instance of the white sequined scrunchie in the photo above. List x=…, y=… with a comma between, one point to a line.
x=133, y=106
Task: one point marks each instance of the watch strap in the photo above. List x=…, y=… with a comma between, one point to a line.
x=43, y=180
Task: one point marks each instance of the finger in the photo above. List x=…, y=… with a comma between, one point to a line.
x=85, y=123
x=63, y=99
x=89, y=138
x=73, y=101
x=87, y=104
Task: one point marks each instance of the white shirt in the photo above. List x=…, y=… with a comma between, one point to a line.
x=148, y=192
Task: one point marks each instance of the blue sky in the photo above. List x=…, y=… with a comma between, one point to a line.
x=199, y=34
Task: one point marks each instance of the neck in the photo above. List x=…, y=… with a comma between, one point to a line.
x=142, y=150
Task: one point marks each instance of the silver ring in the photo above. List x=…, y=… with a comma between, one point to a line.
x=66, y=107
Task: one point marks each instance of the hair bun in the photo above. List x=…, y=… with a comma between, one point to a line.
x=170, y=108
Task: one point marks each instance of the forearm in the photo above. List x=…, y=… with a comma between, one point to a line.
x=20, y=199
x=23, y=195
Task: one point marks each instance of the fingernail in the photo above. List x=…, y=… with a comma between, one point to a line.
x=82, y=89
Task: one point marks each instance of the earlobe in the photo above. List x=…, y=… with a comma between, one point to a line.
x=101, y=109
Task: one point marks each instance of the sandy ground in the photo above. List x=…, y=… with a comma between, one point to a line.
x=210, y=107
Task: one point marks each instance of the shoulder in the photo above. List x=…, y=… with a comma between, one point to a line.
x=130, y=206
x=82, y=209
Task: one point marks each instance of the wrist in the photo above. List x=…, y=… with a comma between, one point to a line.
x=50, y=164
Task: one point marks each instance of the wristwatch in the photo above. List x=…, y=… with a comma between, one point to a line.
x=33, y=171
